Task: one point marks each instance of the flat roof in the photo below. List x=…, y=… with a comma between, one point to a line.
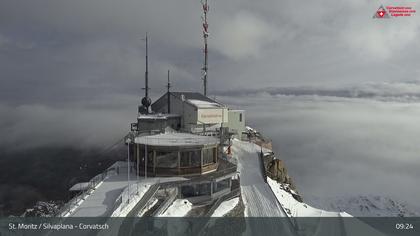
x=204, y=104
x=176, y=139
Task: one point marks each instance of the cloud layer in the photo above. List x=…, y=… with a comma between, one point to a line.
x=93, y=48
x=72, y=72
x=338, y=146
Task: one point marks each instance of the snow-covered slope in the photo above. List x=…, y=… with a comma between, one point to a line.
x=273, y=198
x=365, y=205
x=258, y=198
x=295, y=208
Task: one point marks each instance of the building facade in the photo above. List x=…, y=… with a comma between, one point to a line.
x=176, y=154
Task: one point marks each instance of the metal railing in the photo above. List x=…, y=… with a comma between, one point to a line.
x=123, y=200
x=70, y=206
x=170, y=197
x=142, y=203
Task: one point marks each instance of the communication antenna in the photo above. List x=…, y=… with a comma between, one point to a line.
x=146, y=73
x=146, y=101
x=169, y=94
x=205, y=36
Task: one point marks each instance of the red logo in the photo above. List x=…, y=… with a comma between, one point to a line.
x=381, y=13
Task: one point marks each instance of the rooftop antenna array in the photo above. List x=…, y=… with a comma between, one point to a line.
x=205, y=36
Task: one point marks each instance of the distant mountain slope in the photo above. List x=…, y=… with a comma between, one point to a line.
x=29, y=177
x=365, y=205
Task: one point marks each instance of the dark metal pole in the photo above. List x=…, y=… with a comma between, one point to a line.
x=169, y=95
x=145, y=160
x=147, y=70
x=138, y=164
x=205, y=35
x=128, y=171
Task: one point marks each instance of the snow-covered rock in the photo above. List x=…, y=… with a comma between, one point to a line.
x=225, y=207
x=365, y=205
x=42, y=209
x=295, y=208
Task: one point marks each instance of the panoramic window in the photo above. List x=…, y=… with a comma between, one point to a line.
x=208, y=156
x=191, y=158
x=167, y=159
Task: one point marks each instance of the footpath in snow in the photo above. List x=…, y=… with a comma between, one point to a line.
x=257, y=196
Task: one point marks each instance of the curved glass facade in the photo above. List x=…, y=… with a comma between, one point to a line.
x=166, y=161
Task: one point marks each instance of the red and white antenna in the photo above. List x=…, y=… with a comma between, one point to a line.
x=205, y=36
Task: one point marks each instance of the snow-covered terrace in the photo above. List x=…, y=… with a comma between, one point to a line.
x=102, y=201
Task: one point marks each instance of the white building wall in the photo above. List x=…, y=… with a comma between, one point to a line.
x=212, y=115
x=187, y=111
x=193, y=116
x=235, y=123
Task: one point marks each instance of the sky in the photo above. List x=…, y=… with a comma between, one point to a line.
x=71, y=72
x=58, y=52
x=81, y=63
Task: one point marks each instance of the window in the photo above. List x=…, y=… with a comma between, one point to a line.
x=223, y=184
x=240, y=117
x=204, y=189
x=167, y=159
x=196, y=190
x=208, y=156
x=149, y=157
x=188, y=191
x=191, y=158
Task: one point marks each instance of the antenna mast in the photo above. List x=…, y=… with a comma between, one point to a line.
x=146, y=73
x=169, y=94
x=205, y=36
x=146, y=101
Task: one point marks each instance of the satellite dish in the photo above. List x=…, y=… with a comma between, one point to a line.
x=146, y=101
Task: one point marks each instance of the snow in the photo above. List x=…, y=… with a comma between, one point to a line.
x=225, y=207
x=156, y=116
x=81, y=202
x=204, y=104
x=176, y=139
x=148, y=207
x=80, y=186
x=179, y=208
x=136, y=193
x=257, y=196
x=102, y=201
x=250, y=129
x=365, y=205
x=295, y=208
x=270, y=199
x=319, y=226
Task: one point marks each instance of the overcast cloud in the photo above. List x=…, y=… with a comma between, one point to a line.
x=342, y=146
x=71, y=72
